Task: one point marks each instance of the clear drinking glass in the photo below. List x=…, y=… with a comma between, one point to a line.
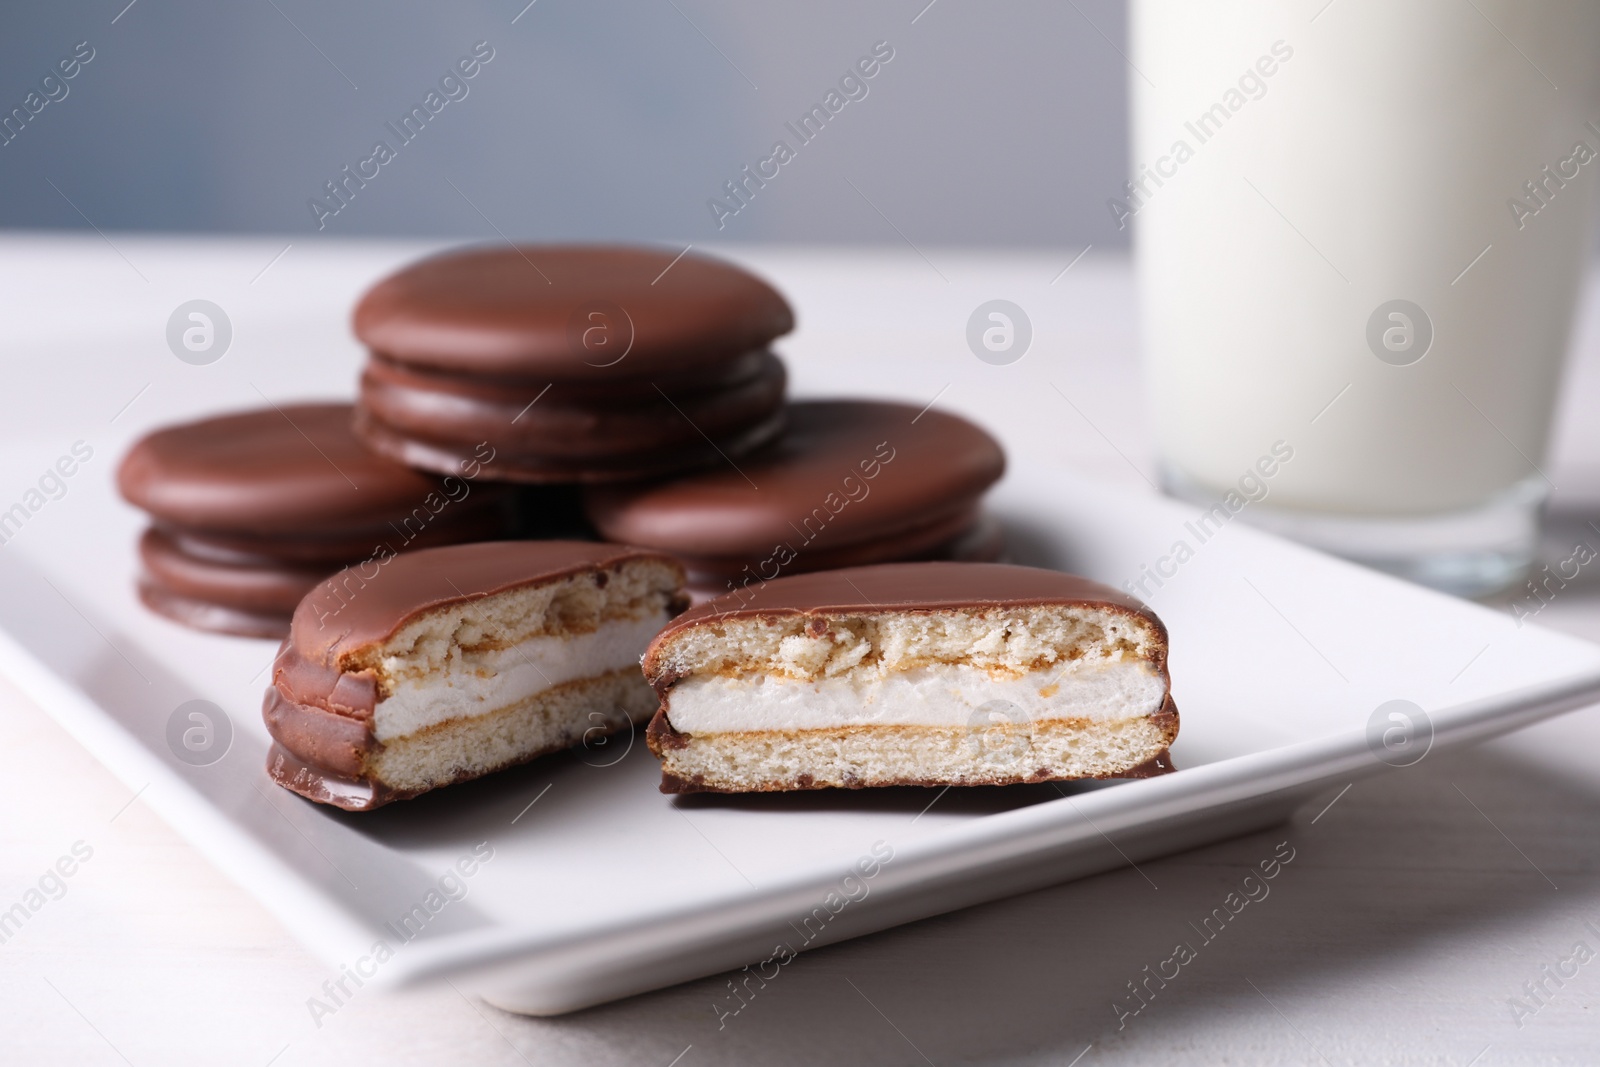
x=1360, y=229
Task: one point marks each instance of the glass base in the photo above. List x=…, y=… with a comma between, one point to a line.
x=1469, y=553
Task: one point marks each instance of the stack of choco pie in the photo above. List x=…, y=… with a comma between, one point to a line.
x=575, y=364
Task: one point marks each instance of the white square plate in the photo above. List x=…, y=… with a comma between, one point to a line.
x=587, y=884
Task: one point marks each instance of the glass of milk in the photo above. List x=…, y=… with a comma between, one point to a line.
x=1360, y=229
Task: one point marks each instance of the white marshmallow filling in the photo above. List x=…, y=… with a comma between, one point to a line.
x=940, y=695
x=470, y=682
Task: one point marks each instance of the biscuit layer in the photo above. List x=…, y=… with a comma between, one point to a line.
x=863, y=756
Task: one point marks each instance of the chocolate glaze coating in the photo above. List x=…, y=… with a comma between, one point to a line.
x=811, y=488
x=322, y=738
x=426, y=454
x=488, y=515
x=519, y=389
x=973, y=538
x=212, y=618
x=325, y=786
x=260, y=586
x=297, y=471
x=556, y=425
x=522, y=311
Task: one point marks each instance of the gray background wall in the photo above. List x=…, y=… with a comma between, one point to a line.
x=996, y=123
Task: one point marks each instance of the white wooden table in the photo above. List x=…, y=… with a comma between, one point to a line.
x=1421, y=906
